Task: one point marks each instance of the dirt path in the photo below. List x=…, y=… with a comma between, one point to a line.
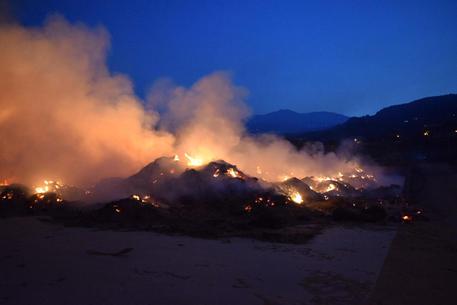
x=421, y=267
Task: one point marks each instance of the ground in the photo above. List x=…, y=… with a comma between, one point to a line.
x=398, y=264
x=44, y=263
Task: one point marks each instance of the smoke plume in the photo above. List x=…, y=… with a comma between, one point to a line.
x=208, y=122
x=64, y=116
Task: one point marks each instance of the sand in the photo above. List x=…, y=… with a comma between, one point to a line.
x=42, y=263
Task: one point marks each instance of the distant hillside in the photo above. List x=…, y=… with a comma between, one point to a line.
x=425, y=129
x=430, y=113
x=290, y=122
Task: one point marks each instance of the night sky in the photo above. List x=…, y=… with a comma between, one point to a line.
x=351, y=57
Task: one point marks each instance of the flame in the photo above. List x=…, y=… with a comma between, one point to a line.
x=330, y=187
x=8, y=196
x=176, y=158
x=48, y=186
x=216, y=173
x=193, y=161
x=322, y=178
x=296, y=197
x=233, y=173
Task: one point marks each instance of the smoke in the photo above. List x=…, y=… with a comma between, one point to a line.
x=208, y=121
x=64, y=116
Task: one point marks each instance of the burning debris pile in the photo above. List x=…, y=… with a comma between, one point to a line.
x=77, y=100
x=213, y=199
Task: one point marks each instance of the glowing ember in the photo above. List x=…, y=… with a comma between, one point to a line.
x=8, y=196
x=248, y=208
x=136, y=197
x=406, y=218
x=216, y=173
x=233, y=173
x=331, y=187
x=296, y=197
x=322, y=178
x=48, y=186
x=193, y=161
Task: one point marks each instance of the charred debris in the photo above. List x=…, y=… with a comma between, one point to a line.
x=214, y=200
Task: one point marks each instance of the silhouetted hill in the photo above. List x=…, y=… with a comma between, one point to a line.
x=425, y=129
x=414, y=118
x=291, y=122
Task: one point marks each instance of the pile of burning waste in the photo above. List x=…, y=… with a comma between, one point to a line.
x=213, y=199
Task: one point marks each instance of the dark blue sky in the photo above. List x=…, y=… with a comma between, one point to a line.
x=352, y=57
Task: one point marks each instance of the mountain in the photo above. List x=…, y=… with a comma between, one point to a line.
x=409, y=119
x=291, y=122
x=424, y=129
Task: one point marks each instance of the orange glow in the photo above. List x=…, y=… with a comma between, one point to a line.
x=406, y=218
x=296, y=197
x=48, y=186
x=193, y=161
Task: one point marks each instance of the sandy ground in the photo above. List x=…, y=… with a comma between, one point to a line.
x=49, y=264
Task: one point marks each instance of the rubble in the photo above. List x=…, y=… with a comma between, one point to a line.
x=212, y=200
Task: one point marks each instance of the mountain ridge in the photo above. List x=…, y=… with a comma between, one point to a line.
x=286, y=121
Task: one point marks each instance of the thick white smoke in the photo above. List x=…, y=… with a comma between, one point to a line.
x=64, y=116
x=208, y=123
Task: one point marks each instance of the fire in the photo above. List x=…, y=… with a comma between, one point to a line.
x=176, y=158
x=330, y=187
x=8, y=196
x=48, y=186
x=296, y=197
x=233, y=173
x=406, y=218
x=193, y=161
x=216, y=173
x=322, y=178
